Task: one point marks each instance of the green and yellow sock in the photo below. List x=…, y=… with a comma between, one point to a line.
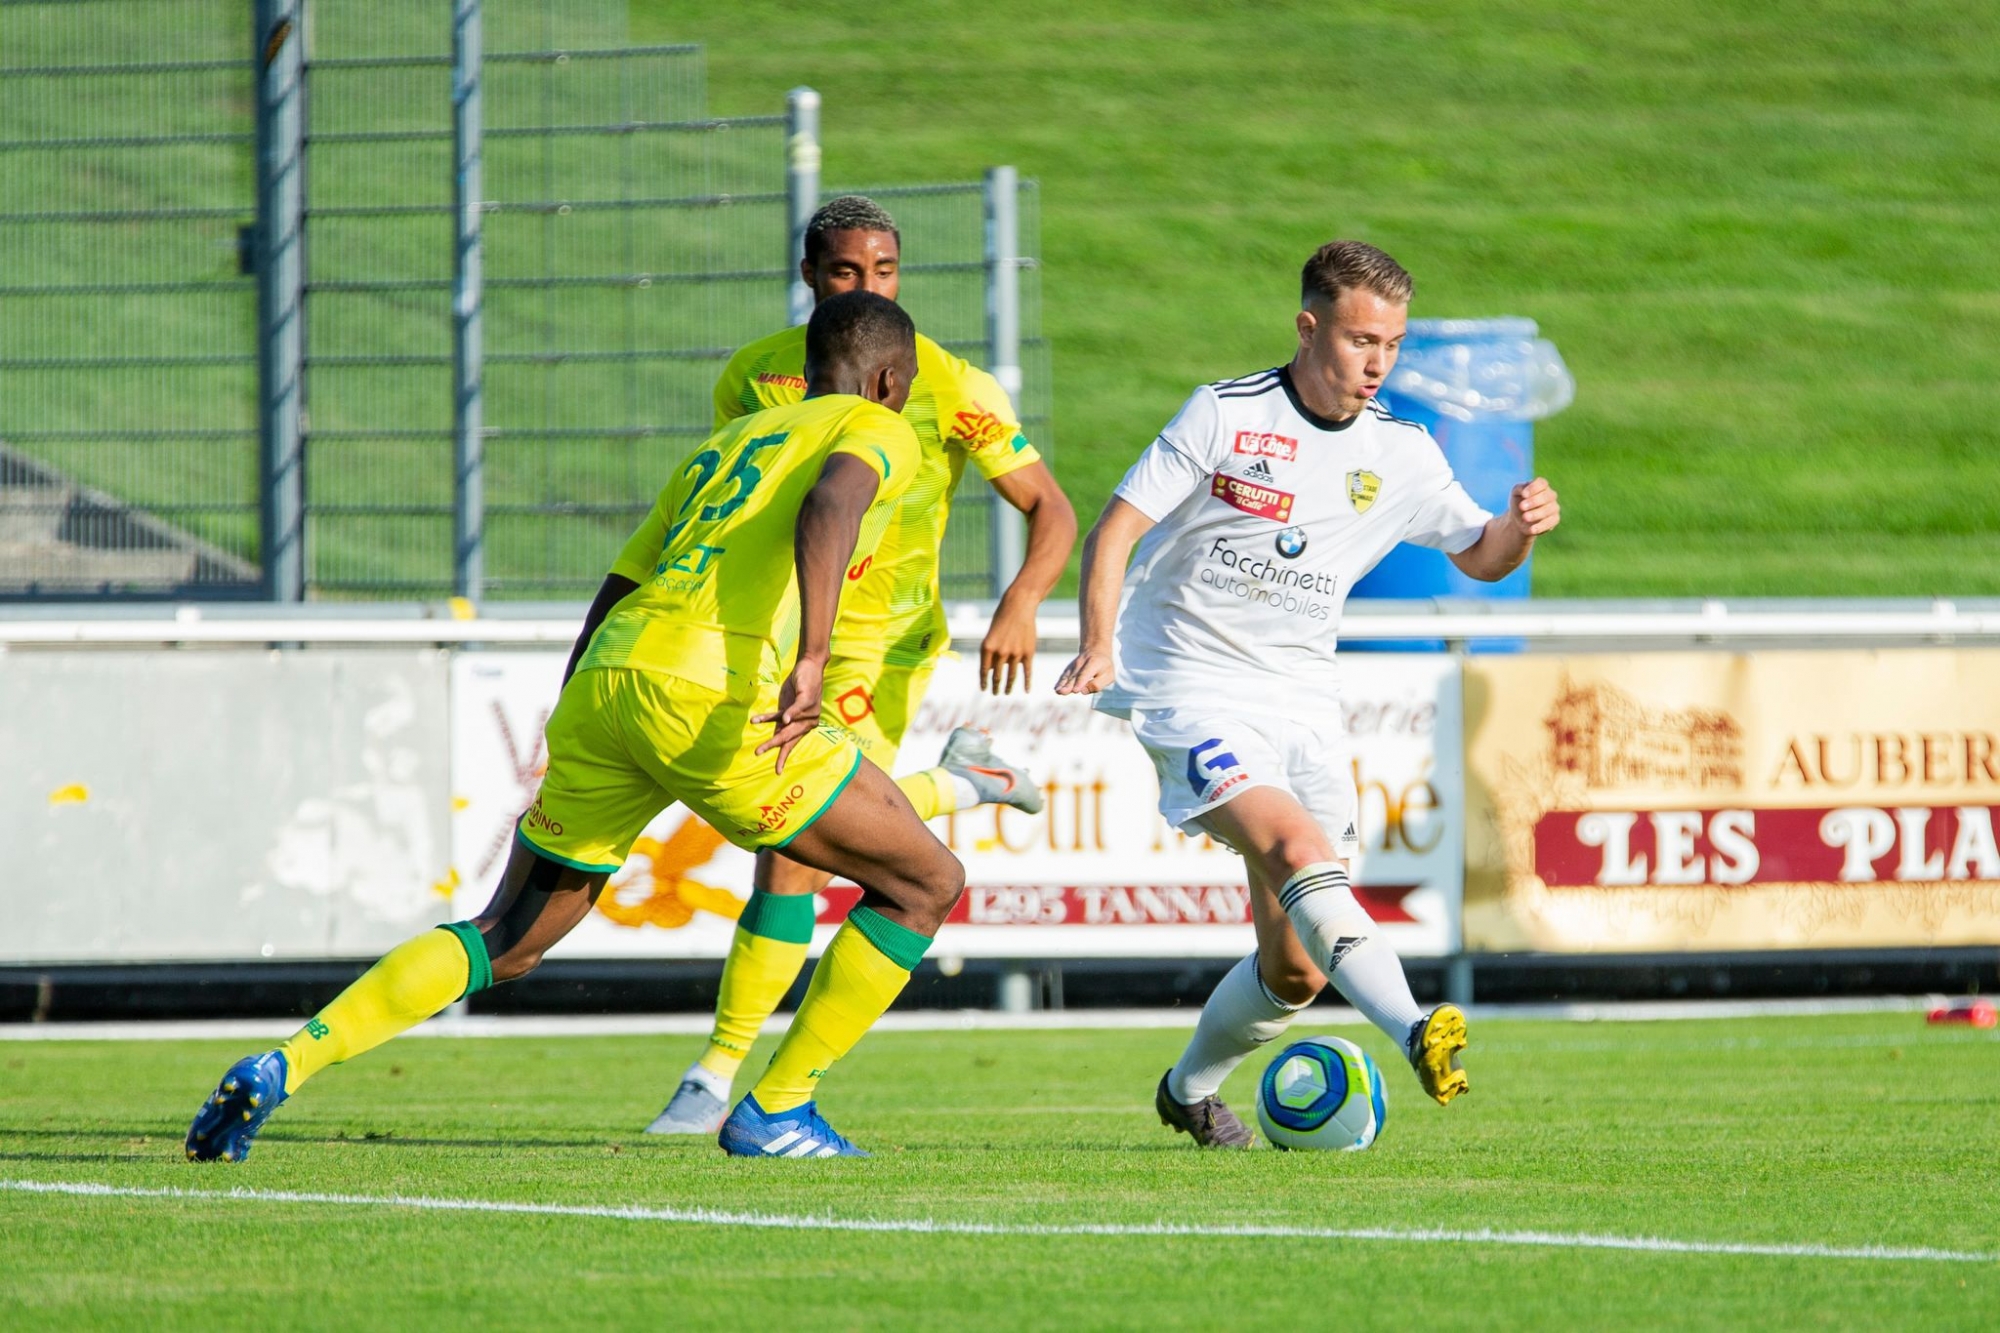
x=413, y=981
x=931, y=791
x=858, y=977
x=764, y=961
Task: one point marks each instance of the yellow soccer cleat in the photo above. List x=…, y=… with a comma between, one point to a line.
x=1434, y=1045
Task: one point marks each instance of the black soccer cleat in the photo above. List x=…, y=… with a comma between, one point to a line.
x=1209, y=1122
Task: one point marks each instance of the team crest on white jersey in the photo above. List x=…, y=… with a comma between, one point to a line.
x=1362, y=488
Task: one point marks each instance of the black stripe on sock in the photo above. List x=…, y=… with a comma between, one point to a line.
x=1300, y=888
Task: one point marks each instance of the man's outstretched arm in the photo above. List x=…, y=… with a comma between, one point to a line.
x=1531, y=511
x=1105, y=553
x=1009, y=645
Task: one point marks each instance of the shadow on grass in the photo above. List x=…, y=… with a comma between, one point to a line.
x=638, y=1143
x=384, y=1139
x=95, y=1158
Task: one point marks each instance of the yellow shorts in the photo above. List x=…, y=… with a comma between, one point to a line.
x=874, y=703
x=625, y=744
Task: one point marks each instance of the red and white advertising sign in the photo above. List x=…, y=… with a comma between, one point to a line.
x=1711, y=801
x=1097, y=874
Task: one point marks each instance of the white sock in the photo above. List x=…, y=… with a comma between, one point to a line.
x=708, y=1078
x=1347, y=945
x=1239, y=1017
x=968, y=795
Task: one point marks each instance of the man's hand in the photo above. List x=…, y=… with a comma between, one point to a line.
x=798, y=709
x=1009, y=644
x=1533, y=509
x=1087, y=673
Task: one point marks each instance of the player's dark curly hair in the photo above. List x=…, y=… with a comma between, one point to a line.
x=1340, y=266
x=860, y=330
x=850, y=212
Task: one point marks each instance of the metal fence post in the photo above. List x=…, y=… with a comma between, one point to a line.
x=801, y=192
x=280, y=260
x=1006, y=531
x=469, y=489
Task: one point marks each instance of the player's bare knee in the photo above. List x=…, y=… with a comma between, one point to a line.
x=1296, y=850
x=940, y=884
x=930, y=890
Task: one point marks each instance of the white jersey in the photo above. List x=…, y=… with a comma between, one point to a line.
x=1266, y=515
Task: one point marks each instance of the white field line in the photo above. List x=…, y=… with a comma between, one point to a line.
x=711, y=1217
x=947, y=1020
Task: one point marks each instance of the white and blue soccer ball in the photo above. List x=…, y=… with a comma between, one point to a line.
x=1322, y=1094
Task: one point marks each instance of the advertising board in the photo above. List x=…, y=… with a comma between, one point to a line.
x=1097, y=874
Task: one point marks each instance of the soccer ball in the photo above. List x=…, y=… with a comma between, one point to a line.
x=1322, y=1093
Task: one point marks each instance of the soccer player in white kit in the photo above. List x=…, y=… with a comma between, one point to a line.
x=1254, y=513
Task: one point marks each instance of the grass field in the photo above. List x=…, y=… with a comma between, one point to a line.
x=1765, y=235
x=1841, y=1132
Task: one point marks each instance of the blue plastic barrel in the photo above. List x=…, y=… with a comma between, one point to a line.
x=1478, y=386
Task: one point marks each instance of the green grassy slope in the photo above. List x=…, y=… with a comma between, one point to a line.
x=1846, y=1132
x=1764, y=235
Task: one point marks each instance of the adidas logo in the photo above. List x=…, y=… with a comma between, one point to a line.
x=1342, y=947
x=1259, y=471
x=791, y=1143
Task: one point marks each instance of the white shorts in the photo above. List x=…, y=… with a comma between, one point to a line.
x=1206, y=757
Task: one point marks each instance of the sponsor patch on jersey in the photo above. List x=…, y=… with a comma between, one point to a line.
x=854, y=705
x=1292, y=543
x=1254, y=497
x=783, y=381
x=980, y=428
x=1362, y=488
x=771, y=818
x=1212, y=770
x=1263, y=444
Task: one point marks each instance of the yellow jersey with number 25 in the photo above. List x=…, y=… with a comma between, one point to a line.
x=718, y=595
x=890, y=610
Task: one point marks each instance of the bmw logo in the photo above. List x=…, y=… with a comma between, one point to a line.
x=1292, y=543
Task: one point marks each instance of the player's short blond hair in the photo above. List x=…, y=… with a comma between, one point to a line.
x=1341, y=266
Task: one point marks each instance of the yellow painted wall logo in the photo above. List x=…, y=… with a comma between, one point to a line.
x=656, y=888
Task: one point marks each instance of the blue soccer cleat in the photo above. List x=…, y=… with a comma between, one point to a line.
x=228, y=1121
x=800, y=1132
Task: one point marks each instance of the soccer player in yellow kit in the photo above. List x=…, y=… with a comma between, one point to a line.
x=712, y=628
x=891, y=629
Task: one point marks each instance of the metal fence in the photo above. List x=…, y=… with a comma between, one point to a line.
x=610, y=210
x=476, y=399
x=128, y=434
